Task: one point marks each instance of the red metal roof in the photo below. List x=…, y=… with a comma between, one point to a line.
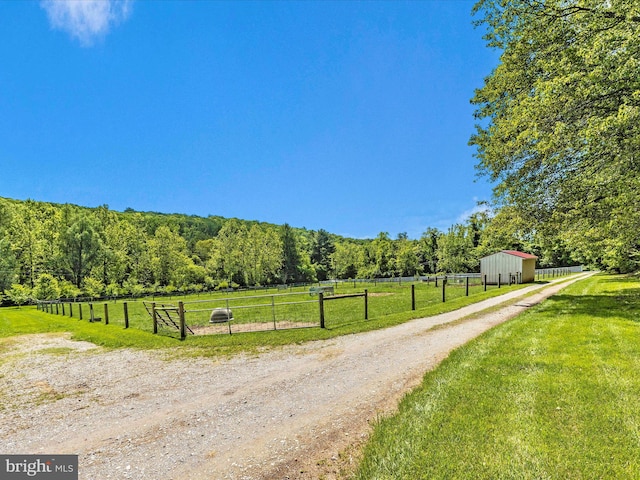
x=519, y=254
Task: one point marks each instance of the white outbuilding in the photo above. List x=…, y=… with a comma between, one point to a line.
x=508, y=266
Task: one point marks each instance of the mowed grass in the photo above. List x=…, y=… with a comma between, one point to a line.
x=552, y=394
x=296, y=304
x=389, y=304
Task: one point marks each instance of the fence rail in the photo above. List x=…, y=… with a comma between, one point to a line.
x=293, y=309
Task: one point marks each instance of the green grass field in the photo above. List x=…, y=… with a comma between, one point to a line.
x=389, y=304
x=294, y=305
x=552, y=394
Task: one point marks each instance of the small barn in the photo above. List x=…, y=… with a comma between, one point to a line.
x=508, y=266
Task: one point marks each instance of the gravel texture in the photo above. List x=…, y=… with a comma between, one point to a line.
x=298, y=412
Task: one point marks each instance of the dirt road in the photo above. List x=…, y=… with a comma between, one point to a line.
x=292, y=413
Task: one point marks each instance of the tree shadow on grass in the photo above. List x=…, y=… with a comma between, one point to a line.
x=623, y=304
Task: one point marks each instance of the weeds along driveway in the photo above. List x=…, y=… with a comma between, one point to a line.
x=297, y=412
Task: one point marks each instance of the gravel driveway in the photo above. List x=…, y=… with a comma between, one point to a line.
x=297, y=412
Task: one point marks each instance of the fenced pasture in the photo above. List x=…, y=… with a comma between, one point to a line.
x=277, y=308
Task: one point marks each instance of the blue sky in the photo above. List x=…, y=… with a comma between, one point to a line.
x=348, y=116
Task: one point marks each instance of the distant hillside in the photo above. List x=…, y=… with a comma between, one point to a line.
x=72, y=250
x=50, y=250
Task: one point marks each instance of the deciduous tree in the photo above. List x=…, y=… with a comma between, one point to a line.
x=321, y=251
x=80, y=246
x=559, y=126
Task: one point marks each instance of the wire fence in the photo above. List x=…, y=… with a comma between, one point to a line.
x=285, y=307
x=252, y=313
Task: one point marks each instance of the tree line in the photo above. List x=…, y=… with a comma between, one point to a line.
x=52, y=251
x=559, y=122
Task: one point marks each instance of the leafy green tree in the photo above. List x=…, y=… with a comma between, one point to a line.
x=559, y=119
x=190, y=275
x=456, y=253
x=428, y=250
x=204, y=249
x=24, y=231
x=93, y=287
x=113, y=290
x=322, y=248
x=19, y=294
x=228, y=254
x=407, y=261
x=383, y=256
x=347, y=259
x=508, y=230
x=304, y=240
x=5, y=214
x=290, y=255
x=80, y=246
x=46, y=288
x=132, y=287
x=262, y=255
x=68, y=289
x=168, y=252
x=8, y=265
x=125, y=253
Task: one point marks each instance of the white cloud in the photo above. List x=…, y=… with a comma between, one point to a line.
x=464, y=216
x=86, y=20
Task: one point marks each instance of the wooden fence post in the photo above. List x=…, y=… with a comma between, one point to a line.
x=126, y=315
x=80, y=307
x=155, y=317
x=499, y=279
x=413, y=297
x=485, y=283
x=273, y=311
x=366, y=304
x=183, y=332
x=444, y=283
x=70, y=309
x=467, y=287
x=321, y=306
x=106, y=314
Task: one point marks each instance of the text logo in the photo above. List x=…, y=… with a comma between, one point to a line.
x=39, y=467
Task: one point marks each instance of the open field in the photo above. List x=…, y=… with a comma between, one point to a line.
x=388, y=303
x=153, y=413
x=553, y=394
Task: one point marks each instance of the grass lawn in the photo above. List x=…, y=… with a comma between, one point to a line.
x=552, y=394
x=293, y=305
x=389, y=304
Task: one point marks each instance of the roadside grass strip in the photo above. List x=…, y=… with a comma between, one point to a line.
x=551, y=394
x=344, y=317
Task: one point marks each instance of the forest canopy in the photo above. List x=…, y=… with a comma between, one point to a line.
x=559, y=122
x=52, y=251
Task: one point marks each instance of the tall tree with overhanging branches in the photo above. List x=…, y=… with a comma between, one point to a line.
x=321, y=251
x=80, y=246
x=559, y=120
x=290, y=254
